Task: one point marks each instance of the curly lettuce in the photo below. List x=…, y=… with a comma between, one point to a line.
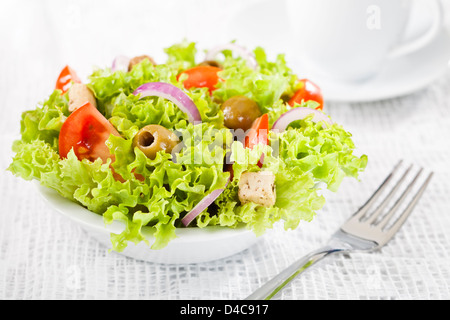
x=266, y=85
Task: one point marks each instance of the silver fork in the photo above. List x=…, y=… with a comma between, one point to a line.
x=364, y=231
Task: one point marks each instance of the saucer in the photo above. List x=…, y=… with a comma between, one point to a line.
x=399, y=77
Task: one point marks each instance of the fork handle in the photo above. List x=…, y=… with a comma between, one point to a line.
x=273, y=286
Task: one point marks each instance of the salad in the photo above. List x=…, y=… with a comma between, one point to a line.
x=233, y=139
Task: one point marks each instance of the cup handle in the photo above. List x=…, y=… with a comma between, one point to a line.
x=415, y=44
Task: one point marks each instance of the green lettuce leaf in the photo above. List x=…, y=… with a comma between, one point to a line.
x=182, y=55
x=173, y=184
x=44, y=122
x=266, y=85
x=325, y=152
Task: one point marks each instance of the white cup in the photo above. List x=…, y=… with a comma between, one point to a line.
x=351, y=40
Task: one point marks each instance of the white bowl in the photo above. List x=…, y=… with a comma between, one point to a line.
x=192, y=245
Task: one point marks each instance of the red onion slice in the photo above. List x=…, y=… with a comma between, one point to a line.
x=172, y=93
x=120, y=63
x=202, y=205
x=297, y=114
x=243, y=52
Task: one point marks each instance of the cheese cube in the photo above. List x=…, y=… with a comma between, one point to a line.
x=257, y=187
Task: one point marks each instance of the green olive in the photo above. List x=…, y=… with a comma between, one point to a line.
x=153, y=138
x=239, y=112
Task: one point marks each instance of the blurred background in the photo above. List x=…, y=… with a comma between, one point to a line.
x=39, y=37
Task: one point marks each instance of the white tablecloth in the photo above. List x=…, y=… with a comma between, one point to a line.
x=45, y=256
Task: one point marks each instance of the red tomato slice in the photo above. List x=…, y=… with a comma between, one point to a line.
x=309, y=91
x=86, y=131
x=66, y=78
x=200, y=77
x=258, y=133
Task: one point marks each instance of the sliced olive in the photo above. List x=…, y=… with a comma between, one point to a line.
x=239, y=112
x=153, y=138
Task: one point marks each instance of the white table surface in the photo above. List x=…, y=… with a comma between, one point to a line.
x=45, y=256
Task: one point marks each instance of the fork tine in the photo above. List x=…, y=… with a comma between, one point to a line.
x=363, y=210
x=388, y=198
x=394, y=228
x=399, y=201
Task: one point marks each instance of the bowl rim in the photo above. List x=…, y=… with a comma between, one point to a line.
x=83, y=216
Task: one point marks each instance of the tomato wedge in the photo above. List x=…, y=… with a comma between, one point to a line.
x=86, y=131
x=200, y=77
x=309, y=91
x=258, y=133
x=66, y=78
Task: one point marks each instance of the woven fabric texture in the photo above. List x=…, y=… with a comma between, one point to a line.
x=43, y=255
